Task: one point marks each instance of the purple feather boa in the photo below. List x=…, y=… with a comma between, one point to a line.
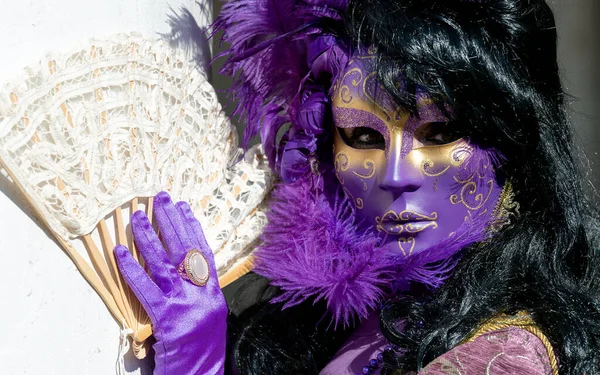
x=312, y=249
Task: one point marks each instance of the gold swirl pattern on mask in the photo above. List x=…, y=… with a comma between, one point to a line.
x=403, y=241
x=410, y=228
x=369, y=165
x=345, y=92
x=341, y=164
x=358, y=202
x=429, y=168
x=461, y=153
x=398, y=228
x=471, y=188
x=372, y=99
x=404, y=215
x=437, y=160
x=370, y=54
x=480, y=174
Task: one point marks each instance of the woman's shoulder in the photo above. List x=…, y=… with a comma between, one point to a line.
x=502, y=346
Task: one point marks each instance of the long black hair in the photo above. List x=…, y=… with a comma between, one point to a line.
x=495, y=63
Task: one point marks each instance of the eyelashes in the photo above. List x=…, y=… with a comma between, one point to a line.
x=437, y=134
x=431, y=134
x=372, y=133
x=362, y=137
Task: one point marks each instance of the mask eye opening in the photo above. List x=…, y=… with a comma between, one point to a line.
x=437, y=134
x=361, y=138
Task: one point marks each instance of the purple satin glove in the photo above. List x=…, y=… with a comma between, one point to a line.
x=189, y=321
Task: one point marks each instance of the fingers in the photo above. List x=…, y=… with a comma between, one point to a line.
x=195, y=230
x=159, y=265
x=172, y=228
x=138, y=280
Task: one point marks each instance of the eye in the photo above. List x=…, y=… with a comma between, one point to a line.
x=436, y=133
x=362, y=137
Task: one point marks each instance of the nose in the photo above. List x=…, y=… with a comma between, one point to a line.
x=400, y=175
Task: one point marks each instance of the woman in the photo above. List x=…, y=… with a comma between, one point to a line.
x=429, y=187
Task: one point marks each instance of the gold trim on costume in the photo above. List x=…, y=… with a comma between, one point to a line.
x=505, y=208
x=521, y=320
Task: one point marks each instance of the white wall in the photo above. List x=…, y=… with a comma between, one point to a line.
x=51, y=321
x=579, y=55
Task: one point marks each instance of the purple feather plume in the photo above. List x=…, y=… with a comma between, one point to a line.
x=269, y=56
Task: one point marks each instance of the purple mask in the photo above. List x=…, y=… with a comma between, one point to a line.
x=408, y=176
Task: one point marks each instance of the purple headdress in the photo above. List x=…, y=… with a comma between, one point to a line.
x=283, y=60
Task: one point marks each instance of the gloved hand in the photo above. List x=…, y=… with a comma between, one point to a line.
x=189, y=321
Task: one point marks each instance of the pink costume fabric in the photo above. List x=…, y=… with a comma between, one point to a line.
x=507, y=351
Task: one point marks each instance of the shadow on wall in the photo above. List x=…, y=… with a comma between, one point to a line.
x=187, y=35
x=223, y=83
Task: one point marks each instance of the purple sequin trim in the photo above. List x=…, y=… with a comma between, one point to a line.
x=351, y=118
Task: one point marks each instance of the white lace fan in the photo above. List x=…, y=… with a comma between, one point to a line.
x=89, y=137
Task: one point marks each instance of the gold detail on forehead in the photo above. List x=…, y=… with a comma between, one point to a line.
x=341, y=164
x=374, y=100
x=398, y=128
x=369, y=165
x=345, y=92
x=402, y=242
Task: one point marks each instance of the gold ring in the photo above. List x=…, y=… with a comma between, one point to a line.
x=194, y=268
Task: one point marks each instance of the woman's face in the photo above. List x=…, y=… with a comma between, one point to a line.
x=408, y=176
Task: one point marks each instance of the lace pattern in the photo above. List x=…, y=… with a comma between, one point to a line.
x=124, y=117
